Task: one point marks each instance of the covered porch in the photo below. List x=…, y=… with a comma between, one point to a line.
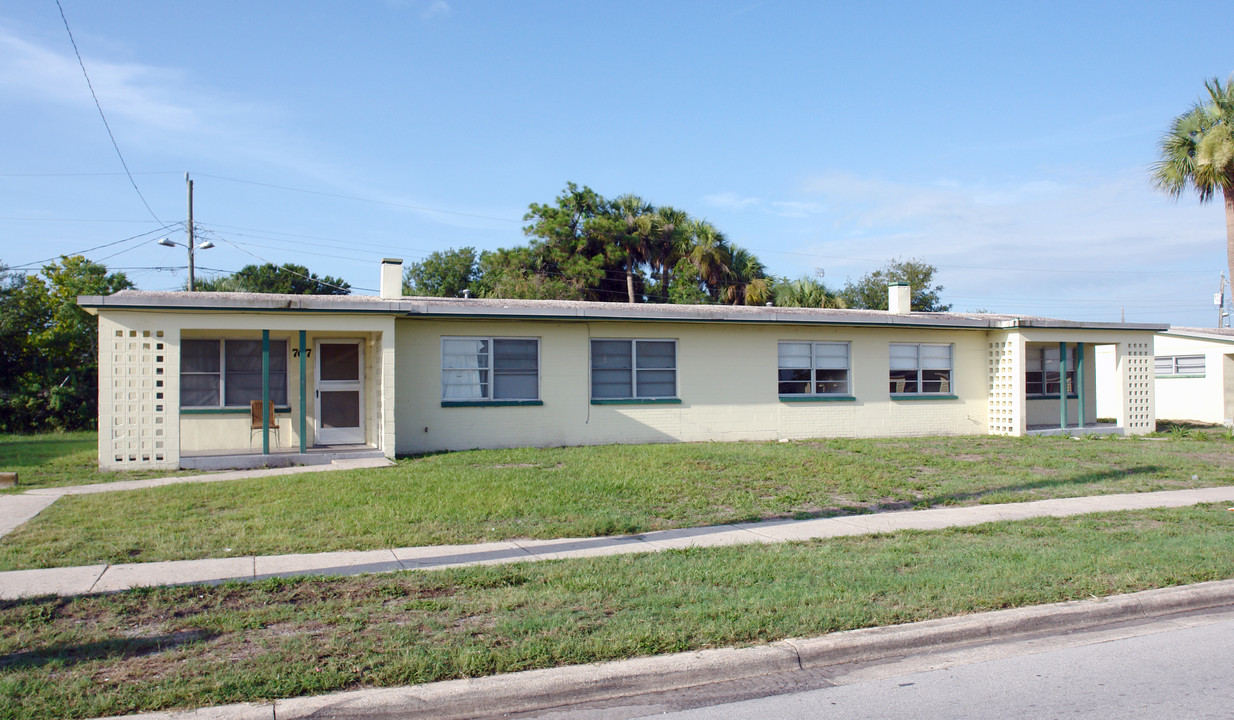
x=214, y=391
x=1044, y=382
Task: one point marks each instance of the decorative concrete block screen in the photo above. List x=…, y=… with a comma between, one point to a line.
x=1003, y=376
x=137, y=399
x=1139, y=415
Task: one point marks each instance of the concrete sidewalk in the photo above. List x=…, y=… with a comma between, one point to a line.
x=110, y=578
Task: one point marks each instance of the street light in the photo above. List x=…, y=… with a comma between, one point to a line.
x=204, y=245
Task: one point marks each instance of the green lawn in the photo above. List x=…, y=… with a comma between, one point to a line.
x=562, y=492
x=180, y=647
x=59, y=459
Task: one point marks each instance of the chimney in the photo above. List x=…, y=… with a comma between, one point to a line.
x=899, y=298
x=391, y=278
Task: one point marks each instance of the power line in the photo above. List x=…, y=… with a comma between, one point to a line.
x=359, y=199
x=287, y=270
x=90, y=174
x=114, y=144
x=1085, y=271
x=70, y=220
x=332, y=242
x=96, y=247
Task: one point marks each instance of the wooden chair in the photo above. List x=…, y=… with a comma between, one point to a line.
x=255, y=425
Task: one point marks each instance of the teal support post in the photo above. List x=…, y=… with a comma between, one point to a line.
x=265, y=392
x=1062, y=385
x=1079, y=379
x=303, y=395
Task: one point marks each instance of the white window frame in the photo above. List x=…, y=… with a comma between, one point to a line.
x=634, y=369
x=490, y=367
x=813, y=382
x=920, y=369
x=1176, y=366
x=222, y=372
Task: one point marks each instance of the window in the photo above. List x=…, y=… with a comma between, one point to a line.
x=1041, y=371
x=633, y=369
x=920, y=369
x=227, y=373
x=482, y=369
x=1178, y=365
x=814, y=368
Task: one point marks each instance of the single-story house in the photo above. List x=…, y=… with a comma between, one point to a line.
x=1194, y=372
x=179, y=373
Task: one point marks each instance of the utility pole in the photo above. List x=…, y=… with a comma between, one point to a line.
x=189, y=228
x=1219, y=301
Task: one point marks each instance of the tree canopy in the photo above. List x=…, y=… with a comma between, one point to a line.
x=807, y=292
x=288, y=279
x=870, y=292
x=442, y=274
x=1197, y=153
x=586, y=247
x=49, y=345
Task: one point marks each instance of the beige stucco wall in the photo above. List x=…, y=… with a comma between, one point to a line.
x=726, y=373
x=727, y=383
x=1203, y=399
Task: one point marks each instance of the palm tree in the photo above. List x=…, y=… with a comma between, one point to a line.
x=1198, y=153
x=709, y=253
x=807, y=292
x=670, y=244
x=635, y=239
x=747, y=279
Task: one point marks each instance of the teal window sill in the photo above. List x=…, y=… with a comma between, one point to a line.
x=1168, y=377
x=1070, y=396
x=817, y=398
x=922, y=396
x=230, y=410
x=490, y=403
x=636, y=401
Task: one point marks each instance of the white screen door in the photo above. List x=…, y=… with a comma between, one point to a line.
x=340, y=392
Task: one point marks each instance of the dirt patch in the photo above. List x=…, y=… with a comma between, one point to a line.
x=968, y=458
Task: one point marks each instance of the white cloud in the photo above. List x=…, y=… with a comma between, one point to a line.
x=731, y=201
x=140, y=94
x=438, y=8
x=1110, y=242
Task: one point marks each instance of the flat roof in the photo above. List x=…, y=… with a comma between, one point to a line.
x=1215, y=334
x=572, y=310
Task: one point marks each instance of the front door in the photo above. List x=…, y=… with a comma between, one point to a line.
x=340, y=392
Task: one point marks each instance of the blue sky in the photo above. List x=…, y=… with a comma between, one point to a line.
x=1008, y=145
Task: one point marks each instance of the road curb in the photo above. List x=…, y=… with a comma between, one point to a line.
x=542, y=689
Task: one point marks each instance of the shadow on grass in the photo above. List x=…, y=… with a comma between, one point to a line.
x=961, y=498
x=111, y=649
x=1076, y=480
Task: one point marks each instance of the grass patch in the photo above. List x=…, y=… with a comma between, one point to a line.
x=60, y=459
x=587, y=491
x=162, y=648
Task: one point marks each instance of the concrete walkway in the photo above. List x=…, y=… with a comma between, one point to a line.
x=109, y=578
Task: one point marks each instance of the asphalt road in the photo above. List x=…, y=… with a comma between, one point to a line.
x=1179, y=666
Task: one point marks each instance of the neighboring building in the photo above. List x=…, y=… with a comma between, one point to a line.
x=1194, y=369
x=178, y=370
